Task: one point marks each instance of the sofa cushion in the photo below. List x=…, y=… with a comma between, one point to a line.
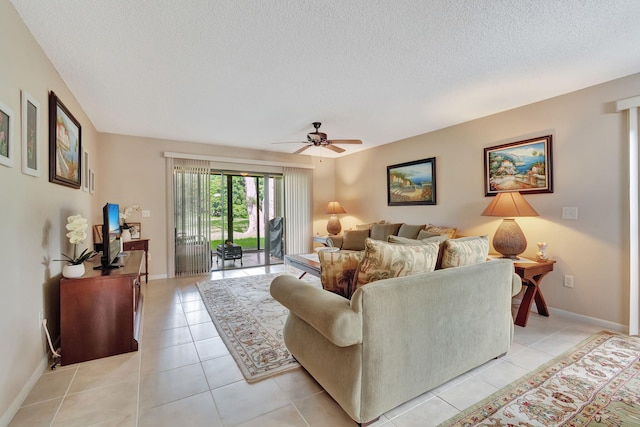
x=410, y=231
x=449, y=231
x=368, y=225
x=353, y=240
x=465, y=251
x=383, y=260
x=337, y=270
x=433, y=238
x=424, y=234
x=382, y=231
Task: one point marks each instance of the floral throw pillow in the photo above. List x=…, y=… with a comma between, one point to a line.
x=337, y=270
x=383, y=260
x=465, y=251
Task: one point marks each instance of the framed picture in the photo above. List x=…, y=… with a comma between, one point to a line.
x=412, y=183
x=65, y=145
x=86, y=177
x=97, y=233
x=92, y=181
x=7, y=136
x=523, y=166
x=30, y=135
x=134, y=229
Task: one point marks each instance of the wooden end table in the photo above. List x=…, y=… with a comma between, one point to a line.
x=303, y=263
x=532, y=274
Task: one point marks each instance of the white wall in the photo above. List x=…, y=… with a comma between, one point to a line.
x=32, y=217
x=590, y=173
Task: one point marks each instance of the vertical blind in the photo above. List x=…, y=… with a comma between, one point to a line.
x=192, y=216
x=298, y=199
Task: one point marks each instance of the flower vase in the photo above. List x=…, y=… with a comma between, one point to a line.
x=125, y=235
x=73, y=271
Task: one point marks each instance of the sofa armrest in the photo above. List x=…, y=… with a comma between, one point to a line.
x=516, y=285
x=330, y=314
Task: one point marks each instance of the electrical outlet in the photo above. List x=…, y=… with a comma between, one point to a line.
x=146, y=214
x=568, y=281
x=569, y=213
x=40, y=317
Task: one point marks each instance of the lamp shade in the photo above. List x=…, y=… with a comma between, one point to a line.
x=334, y=208
x=510, y=204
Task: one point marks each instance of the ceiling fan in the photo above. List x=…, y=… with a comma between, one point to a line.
x=319, y=139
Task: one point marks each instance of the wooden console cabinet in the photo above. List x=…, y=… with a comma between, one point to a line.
x=100, y=312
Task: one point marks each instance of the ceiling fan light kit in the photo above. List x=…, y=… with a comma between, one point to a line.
x=319, y=139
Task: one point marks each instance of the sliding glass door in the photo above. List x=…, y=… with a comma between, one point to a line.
x=244, y=212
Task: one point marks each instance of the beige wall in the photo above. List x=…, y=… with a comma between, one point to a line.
x=132, y=171
x=32, y=216
x=590, y=172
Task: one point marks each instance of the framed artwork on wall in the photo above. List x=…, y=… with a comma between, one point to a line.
x=65, y=145
x=412, y=183
x=30, y=135
x=7, y=136
x=524, y=166
x=86, y=177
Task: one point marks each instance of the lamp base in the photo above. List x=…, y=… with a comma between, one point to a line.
x=509, y=239
x=333, y=226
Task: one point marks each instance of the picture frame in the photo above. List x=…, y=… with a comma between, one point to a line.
x=92, y=181
x=135, y=228
x=30, y=118
x=412, y=183
x=97, y=234
x=525, y=166
x=86, y=175
x=7, y=136
x=65, y=145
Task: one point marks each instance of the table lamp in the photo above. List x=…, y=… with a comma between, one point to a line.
x=333, y=226
x=509, y=239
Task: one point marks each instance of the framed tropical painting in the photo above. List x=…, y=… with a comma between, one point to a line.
x=412, y=183
x=65, y=145
x=524, y=166
x=7, y=136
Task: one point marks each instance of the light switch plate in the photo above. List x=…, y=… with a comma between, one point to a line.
x=146, y=214
x=570, y=213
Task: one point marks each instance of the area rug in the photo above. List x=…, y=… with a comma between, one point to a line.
x=250, y=323
x=596, y=383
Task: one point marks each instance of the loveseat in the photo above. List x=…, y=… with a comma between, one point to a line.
x=397, y=338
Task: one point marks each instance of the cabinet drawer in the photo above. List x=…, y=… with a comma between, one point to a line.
x=134, y=245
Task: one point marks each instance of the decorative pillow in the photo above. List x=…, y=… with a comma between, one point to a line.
x=382, y=260
x=449, y=231
x=382, y=231
x=337, y=270
x=404, y=241
x=424, y=234
x=465, y=251
x=410, y=231
x=368, y=226
x=353, y=240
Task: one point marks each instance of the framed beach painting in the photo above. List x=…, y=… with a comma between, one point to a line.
x=412, y=183
x=7, y=136
x=30, y=135
x=65, y=145
x=524, y=166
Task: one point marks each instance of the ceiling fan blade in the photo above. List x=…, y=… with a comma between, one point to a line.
x=334, y=148
x=302, y=149
x=345, y=141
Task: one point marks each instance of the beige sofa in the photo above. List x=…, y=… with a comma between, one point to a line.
x=398, y=338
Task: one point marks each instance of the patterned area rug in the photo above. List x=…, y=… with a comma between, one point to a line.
x=250, y=323
x=597, y=383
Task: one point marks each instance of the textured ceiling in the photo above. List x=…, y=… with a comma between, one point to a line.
x=250, y=73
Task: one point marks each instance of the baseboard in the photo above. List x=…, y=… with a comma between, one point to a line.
x=157, y=276
x=605, y=324
x=17, y=402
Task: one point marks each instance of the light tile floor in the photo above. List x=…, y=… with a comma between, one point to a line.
x=184, y=375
